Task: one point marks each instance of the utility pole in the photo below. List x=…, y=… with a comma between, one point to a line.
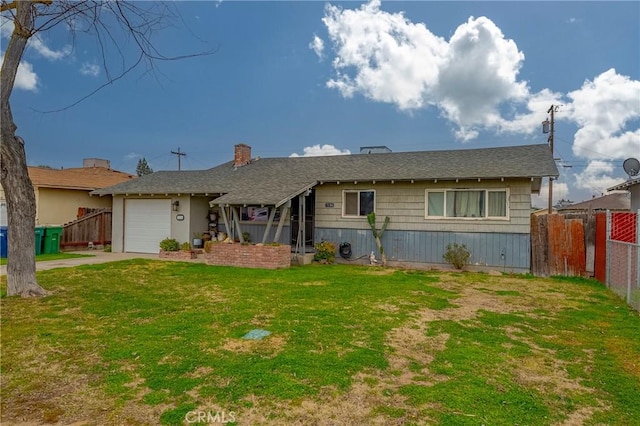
x=179, y=154
x=545, y=129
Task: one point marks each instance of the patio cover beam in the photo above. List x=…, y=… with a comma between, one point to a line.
x=283, y=215
x=272, y=216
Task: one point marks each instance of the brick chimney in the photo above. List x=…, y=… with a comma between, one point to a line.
x=242, y=155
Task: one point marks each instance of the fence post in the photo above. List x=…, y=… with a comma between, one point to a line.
x=629, y=251
x=102, y=228
x=608, y=250
x=637, y=246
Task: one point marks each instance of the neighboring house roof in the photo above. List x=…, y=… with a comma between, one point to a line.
x=272, y=181
x=82, y=178
x=625, y=185
x=615, y=201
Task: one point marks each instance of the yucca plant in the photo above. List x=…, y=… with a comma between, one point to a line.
x=377, y=234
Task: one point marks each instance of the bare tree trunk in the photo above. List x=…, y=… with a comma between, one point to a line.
x=21, y=202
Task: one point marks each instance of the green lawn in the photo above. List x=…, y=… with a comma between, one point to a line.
x=52, y=256
x=148, y=342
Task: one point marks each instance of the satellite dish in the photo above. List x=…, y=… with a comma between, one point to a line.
x=631, y=166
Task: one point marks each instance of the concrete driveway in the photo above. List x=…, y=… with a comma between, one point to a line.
x=98, y=257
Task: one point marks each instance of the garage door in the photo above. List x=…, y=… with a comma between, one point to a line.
x=146, y=223
x=3, y=213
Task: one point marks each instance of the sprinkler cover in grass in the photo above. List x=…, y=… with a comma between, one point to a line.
x=256, y=334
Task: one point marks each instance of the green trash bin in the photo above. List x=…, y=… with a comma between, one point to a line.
x=52, y=235
x=39, y=236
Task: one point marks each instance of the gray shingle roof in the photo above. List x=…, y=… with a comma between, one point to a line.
x=272, y=180
x=625, y=185
x=615, y=201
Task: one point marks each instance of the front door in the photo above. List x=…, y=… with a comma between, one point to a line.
x=303, y=207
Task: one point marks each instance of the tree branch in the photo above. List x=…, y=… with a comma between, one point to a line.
x=8, y=6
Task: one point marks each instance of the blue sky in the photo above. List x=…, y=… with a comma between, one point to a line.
x=328, y=77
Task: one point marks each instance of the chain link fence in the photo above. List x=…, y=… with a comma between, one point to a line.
x=623, y=256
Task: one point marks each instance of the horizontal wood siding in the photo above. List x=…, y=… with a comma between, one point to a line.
x=404, y=203
x=429, y=246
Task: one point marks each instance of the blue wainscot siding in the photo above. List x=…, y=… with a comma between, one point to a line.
x=506, y=252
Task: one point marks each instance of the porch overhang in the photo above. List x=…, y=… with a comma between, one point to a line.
x=258, y=195
x=264, y=196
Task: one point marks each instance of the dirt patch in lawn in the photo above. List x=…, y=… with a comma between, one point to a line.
x=381, y=271
x=314, y=283
x=412, y=350
x=270, y=345
x=62, y=396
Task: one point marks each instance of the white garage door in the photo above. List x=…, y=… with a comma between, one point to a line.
x=3, y=213
x=146, y=223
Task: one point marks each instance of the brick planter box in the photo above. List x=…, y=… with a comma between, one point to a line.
x=249, y=256
x=178, y=255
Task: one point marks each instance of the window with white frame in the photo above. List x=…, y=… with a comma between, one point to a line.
x=467, y=204
x=358, y=203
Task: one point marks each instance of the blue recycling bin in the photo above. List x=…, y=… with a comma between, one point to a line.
x=4, y=241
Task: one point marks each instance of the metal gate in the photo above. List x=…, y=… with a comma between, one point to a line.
x=623, y=256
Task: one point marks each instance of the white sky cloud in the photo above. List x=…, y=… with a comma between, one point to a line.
x=531, y=121
x=479, y=74
x=597, y=177
x=319, y=151
x=560, y=192
x=45, y=51
x=602, y=108
x=132, y=156
x=36, y=42
x=317, y=45
x=387, y=58
x=26, y=78
x=92, y=70
x=383, y=56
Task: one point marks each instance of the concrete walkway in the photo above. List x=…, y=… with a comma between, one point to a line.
x=98, y=256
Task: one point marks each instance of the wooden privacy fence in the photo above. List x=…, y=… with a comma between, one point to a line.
x=563, y=245
x=94, y=228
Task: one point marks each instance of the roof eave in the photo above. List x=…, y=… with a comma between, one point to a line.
x=295, y=194
x=625, y=185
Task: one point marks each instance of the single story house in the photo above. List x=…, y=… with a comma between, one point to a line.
x=617, y=201
x=478, y=197
x=633, y=186
x=61, y=192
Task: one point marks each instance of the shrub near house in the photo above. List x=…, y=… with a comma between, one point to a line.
x=170, y=248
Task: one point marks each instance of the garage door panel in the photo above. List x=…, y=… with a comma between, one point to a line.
x=146, y=223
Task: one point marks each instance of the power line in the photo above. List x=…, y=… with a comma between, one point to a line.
x=179, y=154
x=545, y=129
